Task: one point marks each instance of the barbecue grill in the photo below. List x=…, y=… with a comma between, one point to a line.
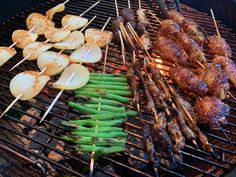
x=26, y=154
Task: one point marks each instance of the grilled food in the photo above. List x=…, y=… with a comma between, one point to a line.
x=5, y=54
x=177, y=17
x=23, y=38
x=170, y=51
x=194, y=51
x=141, y=13
x=211, y=111
x=59, y=8
x=145, y=41
x=54, y=62
x=216, y=79
x=96, y=36
x=28, y=83
x=39, y=22
x=57, y=34
x=73, y=22
x=228, y=66
x=128, y=15
x=168, y=28
x=218, y=46
x=116, y=28
x=187, y=81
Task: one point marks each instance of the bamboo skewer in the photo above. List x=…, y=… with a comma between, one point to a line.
x=215, y=23
x=25, y=58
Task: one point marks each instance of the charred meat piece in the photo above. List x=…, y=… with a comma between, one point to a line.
x=145, y=41
x=193, y=50
x=211, y=111
x=218, y=46
x=228, y=66
x=216, y=79
x=155, y=92
x=128, y=15
x=116, y=28
x=176, y=17
x=168, y=28
x=141, y=28
x=170, y=51
x=142, y=17
x=195, y=32
x=187, y=81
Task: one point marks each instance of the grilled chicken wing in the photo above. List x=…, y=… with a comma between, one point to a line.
x=168, y=28
x=187, y=81
x=218, y=46
x=228, y=66
x=170, y=51
x=177, y=17
x=211, y=110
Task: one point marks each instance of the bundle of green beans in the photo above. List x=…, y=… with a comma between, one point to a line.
x=102, y=101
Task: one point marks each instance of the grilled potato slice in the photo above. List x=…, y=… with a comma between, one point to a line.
x=5, y=54
x=23, y=38
x=73, y=22
x=39, y=22
x=101, y=38
x=28, y=83
x=80, y=78
x=73, y=41
x=54, y=62
x=59, y=8
x=57, y=34
x=88, y=53
x=35, y=49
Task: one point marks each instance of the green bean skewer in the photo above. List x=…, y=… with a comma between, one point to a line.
x=102, y=90
x=97, y=82
x=100, y=149
x=88, y=99
x=101, y=134
x=106, y=107
x=109, y=79
x=116, y=87
x=107, y=75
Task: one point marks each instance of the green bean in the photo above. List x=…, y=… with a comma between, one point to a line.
x=131, y=113
x=109, y=79
x=107, y=96
x=84, y=109
x=108, y=116
x=100, y=149
x=101, y=86
x=101, y=90
x=96, y=82
x=99, y=100
x=106, y=107
x=97, y=129
x=96, y=141
x=94, y=123
x=101, y=135
x=107, y=75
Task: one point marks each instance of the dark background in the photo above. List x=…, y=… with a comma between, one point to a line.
x=224, y=10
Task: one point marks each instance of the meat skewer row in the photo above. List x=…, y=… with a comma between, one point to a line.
x=21, y=38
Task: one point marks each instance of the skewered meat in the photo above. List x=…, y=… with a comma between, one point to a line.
x=116, y=28
x=216, y=79
x=141, y=28
x=168, y=28
x=187, y=81
x=176, y=136
x=5, y=54
x=145, y=41
x=131, y=79
x=23, y=38
x=155, y=92
x=228, y=66
x=195, y=32
x=218, y=46
x=211, y=111
x=142, y=17
x=128, y=15
x=170, y=51
x=177, y=17
x=193, y=50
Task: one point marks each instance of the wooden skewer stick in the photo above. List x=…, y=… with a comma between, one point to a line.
x=12, y=103
x=89, y=8
x=57, y=97
x=122, y=48
x=214, y=20
x=129, y=4
x=117, y=9
x=65, y=2
x=154, y=16
x=139, y=4
x=99, y=108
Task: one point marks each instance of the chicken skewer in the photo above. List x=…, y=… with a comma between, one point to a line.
x=22, y=36
x=30, y=54
x=71, y=77
x=19, y=96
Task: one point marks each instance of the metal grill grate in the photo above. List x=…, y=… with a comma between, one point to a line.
x=133, y=162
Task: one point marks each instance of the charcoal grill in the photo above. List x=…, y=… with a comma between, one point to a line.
x=133, y=162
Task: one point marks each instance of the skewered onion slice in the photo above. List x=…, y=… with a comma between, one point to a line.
x=101, y=38
x=23, y=38
x=88, y=53
x=59, y=8
x=54, y=62
x=39, y=22
x=28, y=83
x=80, y=79
x=57, y=34
x=35, y=49
x=73, y=22
x=5, y=54
x=73, y=41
